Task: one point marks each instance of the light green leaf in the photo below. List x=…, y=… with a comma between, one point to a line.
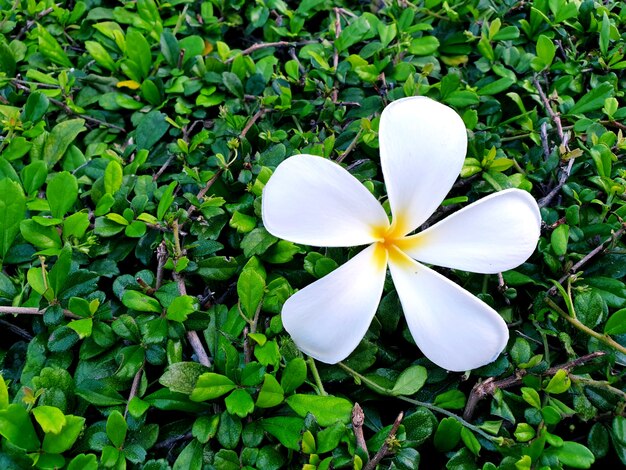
x=211, y=385
x=60, y=138
x=410, y=381
x=12, y=211
x=62, y=193
x=113, y=175
x=180, y=308
x=65, y=439
x=116, y=428
x=50, y=418
x=326, y=409
x=17, y=428
x=271, y=393
x=141, y=302
x=50, y=48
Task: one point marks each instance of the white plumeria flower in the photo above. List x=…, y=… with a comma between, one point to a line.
x=314, y=201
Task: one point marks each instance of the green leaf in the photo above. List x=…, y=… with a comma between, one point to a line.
x=257, y=242
x=233, y=84
x=34, y=176
x=36, y=106
x=83, y=462
x=138, y=51
x=271, y=393
x=113, y=175
x=180, y=308
x=116, y=428
x=205, y=427
x=217, y=268
x=40, y=236
x=410, y=381
x=470, y=441
x=593, y=99
x=286, y=429
x=50, y=48
x=293, y=375
x=447, y=435
x=60, y=138
x=353, y=33
x=425, y=45
x=141, y=302
x=99, y=393
x=7, y=59
x=451, y=400
x=166, y=200
x=190, y=457
x=182, y=376
x=62, y=193
x=574, y=455
x=50, y=418
x=616, y=324
x=100, y=55
x=4, y=394
x=17, y=428
x=326, y=409
x=241, y=222
x=211, y=385
x=250, y=288
x=150, y=129
x=531, y=397
x=12, y=211
x=239, y=403
x=559, y=383
x=545, y=50
x=66, y=437
x=559, y=239
x=170, y=48
x=83, y=327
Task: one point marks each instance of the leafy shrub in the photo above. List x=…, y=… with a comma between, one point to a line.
x=141, y=294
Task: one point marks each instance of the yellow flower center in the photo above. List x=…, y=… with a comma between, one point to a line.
x=390, y=240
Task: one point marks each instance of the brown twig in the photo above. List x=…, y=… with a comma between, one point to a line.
x=358, y=418
x=204, y=190
x=163, y=167
x=335, y=93
x=598, y=249
x=162, y=256
x=351, y=147
x=31, y=311
x=171, y=441
x=257, y=46
x=544, y=201
x=70, y=111
x=489, y=386
x=554, y=116
x=251, y=122
x=387, y=447
x=16, y=329
x=192, y=336
x=133, y=388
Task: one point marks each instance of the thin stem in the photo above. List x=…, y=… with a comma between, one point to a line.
x=607, y=340
x=598, y=249
x=358, y=418
x=316, y=376
x=256, y=47
x=31, y=311
x=602, y=384
x=350, y=147
x=384, y=391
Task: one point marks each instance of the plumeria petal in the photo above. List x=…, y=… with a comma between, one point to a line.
x=452, y=328
x=314, y=201
x=328, y=318
x=422, y=149
x=496, y=233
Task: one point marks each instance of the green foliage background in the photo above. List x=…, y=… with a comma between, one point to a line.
x=136, y=138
